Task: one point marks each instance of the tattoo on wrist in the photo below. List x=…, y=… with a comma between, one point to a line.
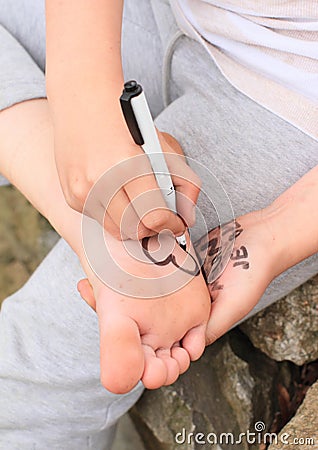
x=240, y=256
x=215, y=286
x=214, y=255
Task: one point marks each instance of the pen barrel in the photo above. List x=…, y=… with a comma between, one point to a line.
x=153, y=150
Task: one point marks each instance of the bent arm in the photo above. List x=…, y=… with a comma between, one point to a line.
x=286, y=230
x=84, y=80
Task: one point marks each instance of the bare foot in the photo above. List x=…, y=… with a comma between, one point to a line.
x=140, y=339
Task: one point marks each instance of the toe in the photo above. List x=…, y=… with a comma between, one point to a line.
x=182, y=357
x=122, y=358
x=155, y=373
x=194, y=342
x=173, y=370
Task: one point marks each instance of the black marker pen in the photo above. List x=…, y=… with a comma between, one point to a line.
x=140, y=123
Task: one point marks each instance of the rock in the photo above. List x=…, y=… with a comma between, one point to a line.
x=227, y=391
x=25, y=238
x=288, y=329
x=13, y=275
x=127, y=437
x=302, y=430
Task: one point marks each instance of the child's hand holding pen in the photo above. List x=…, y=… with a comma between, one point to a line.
x=82, y=159
x=84, y=79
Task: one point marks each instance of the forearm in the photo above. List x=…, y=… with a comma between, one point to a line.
x=83, y=59
x=27, y=161
x=287, y=231
x=293, y=222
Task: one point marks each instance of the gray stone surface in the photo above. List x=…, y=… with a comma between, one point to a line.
x=302, y=430
x=227, y=391
x=127, y=437
x=288, y=329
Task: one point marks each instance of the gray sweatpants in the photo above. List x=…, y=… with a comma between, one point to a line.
x=50, y=394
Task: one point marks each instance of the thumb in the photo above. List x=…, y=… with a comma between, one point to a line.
x=86, y=291
x=169, y=143
x=185, y=180
x=229, y=306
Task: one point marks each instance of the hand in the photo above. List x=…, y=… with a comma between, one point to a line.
x=140, y=339
x=250, y=269
x=82, y=160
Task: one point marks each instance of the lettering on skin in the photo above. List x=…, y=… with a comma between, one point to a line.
x=213, y=255
x=216, y=286
x=239, y=255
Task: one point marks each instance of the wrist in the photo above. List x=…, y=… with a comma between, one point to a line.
x=78, y=107
x=294, y=220
x=279, y=241
x=81, y=89
x=261, y=231
x=253, y=246
x=90, y=134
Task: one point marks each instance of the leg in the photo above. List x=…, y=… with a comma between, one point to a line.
x=50, y=391
x=37, y=151
x=142, y=50
x=141, y=46
x=253, y=153
x=51, y=396
x=25, y=21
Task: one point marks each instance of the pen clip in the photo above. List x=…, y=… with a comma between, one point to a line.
x=131, y=89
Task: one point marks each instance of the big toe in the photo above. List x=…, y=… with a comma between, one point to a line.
x=121, y=354
x=194, y=342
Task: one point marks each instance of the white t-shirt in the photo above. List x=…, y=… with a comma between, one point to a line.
x=268, y=49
